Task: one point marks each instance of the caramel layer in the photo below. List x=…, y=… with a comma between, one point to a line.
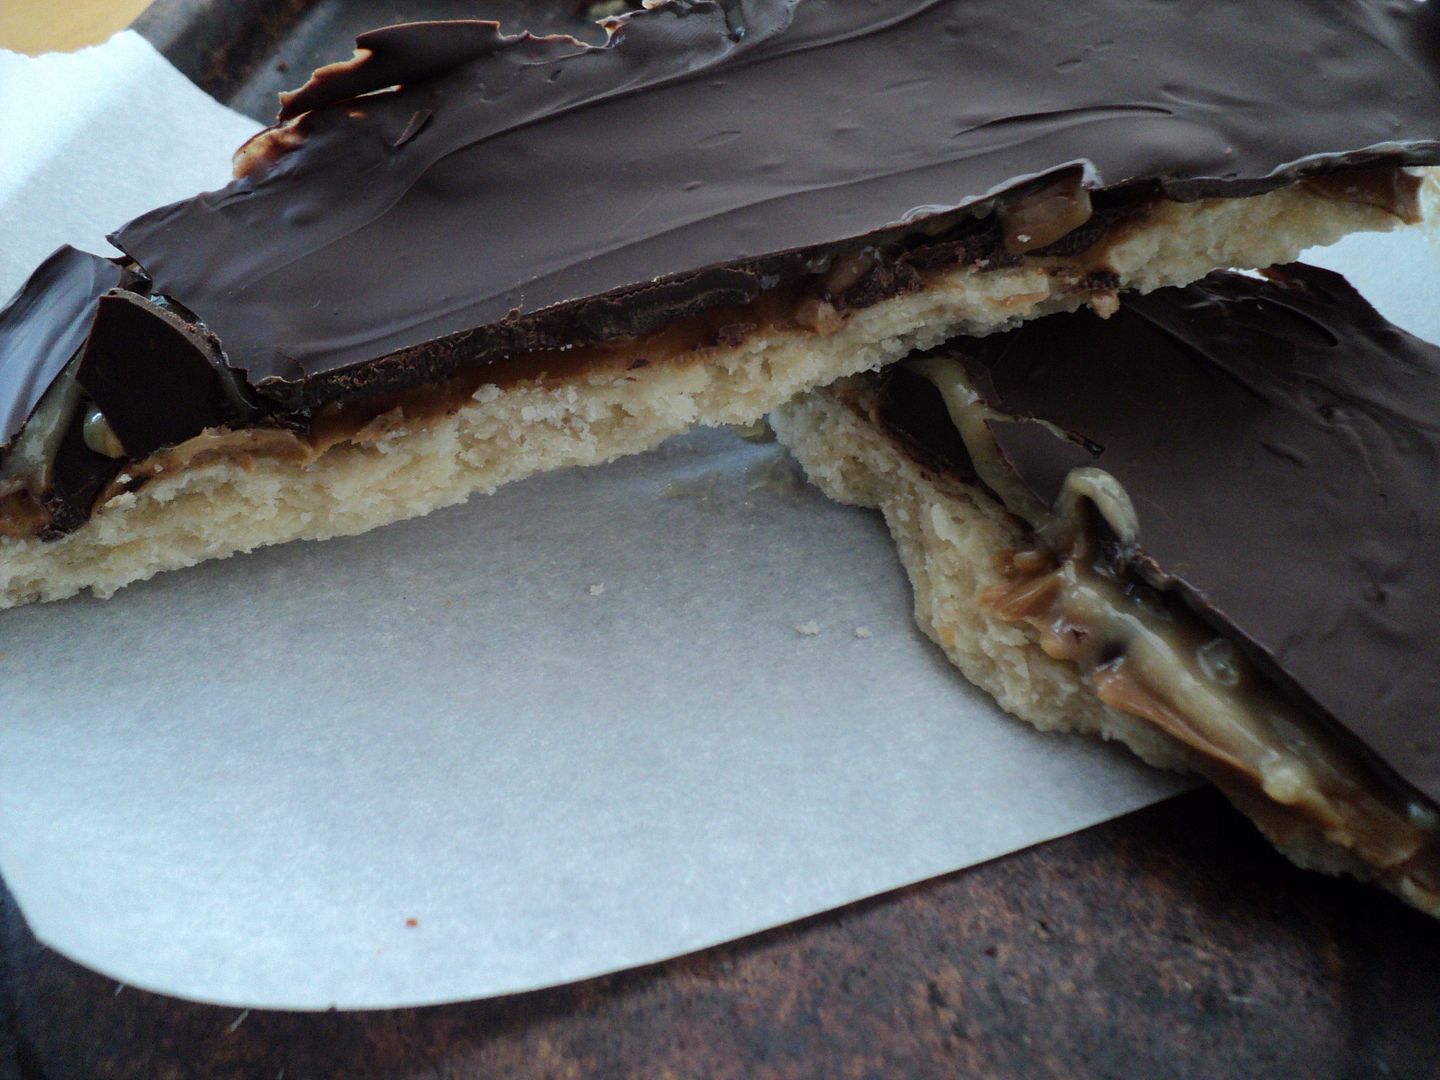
x=1156, y=661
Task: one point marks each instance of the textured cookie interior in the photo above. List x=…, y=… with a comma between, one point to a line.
x=183, y=517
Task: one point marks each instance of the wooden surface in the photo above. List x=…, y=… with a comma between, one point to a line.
x=37, y=26
x=1172, y=943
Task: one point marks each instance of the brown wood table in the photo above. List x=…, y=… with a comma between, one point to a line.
x=36, y=26
x=1170, y=943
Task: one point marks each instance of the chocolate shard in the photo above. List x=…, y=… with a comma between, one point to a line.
x=156, y=378
x=362, y=246
x=1280, y=442
x=42, y=327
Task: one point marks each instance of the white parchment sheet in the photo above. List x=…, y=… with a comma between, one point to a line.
x=564, y=730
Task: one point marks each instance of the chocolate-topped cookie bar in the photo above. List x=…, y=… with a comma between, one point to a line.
x=465, y=256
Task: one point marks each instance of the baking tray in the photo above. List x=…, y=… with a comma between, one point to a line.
x=245, y=52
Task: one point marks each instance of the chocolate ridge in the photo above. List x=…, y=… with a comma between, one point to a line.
x=1280, y=442
x=534, y=173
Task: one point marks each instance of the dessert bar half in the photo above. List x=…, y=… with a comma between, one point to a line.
x=1205, y=527
x=462, y=257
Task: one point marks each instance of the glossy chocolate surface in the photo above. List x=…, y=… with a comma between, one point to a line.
x=43, y=325
x=1280, y=442
x=390, y=237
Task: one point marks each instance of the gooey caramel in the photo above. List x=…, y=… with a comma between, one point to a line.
x=1157, y=662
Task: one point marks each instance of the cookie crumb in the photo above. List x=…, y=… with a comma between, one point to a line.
x=1105, y=304
x=808, y=629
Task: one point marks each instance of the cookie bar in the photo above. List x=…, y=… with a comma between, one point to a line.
x=463, y=257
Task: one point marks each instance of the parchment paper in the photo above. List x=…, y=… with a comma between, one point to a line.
x=600, y=719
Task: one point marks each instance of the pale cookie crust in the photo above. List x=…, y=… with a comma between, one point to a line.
x=949, y=535
x=211, y=511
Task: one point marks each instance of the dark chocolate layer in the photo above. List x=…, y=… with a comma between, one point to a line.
x=469, y=212
x=1280, y=442
x=42, y=327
